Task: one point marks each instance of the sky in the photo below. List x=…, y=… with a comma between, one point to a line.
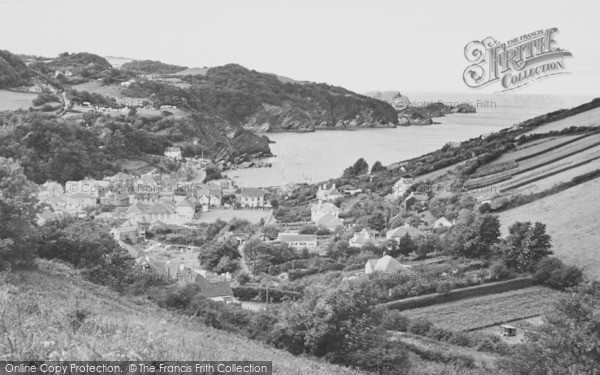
x=361, y=45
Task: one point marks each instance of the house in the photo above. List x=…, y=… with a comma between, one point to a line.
x=219, y=291
x=442, y=222
x=50, y=189
x=329, y=221
x=122, y=181
x=186, y=209
x=125, y=233
x=173, y=153
x=401, y=186
x=411, y=200
x=146, y=184
x=254, y=198
x=398, y=233
x=215, y=197
x=117, y=200
x=385, y=264
x=137, y=211
x=161, y=211
x=58, y=202
x=328, y=193
x=298, y=241
x=352, y=191
x=80, y=201
x=45, y=216
x=146, y=198
x=361, y=238
x=318, y=210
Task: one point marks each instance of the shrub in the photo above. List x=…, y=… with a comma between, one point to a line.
x=499, y=271
x=394, y=320
x=460, y=339
x=420, y=326
x=555, y=274
x=487, y=345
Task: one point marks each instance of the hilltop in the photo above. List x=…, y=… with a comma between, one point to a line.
x=13, y=71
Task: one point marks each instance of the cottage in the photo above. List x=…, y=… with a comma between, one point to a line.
x=161, y=211
x=330, y=221
x=125, y=233
x=361, y=238
x=328, y=193
x=254, y=198
x=146, y=198
x=117, y=200
x=137, y=211
x=397, y=233
x=173, y=153
x=319, y=210
x=186, y=209
x=385, y=264
x=50, y=189
x=58, y=202
x=401, y=186
x=80, y=201
x=298, y=241
x=45, y=216
x=121, y=181
x=442, y=222
x=219, y=291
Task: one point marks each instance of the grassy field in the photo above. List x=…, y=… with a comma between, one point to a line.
x=95, y=86
x=37, y=322
x=533, y=147
x=572, y=218
x=478, y=312
x=587, y=118
x=11, y=101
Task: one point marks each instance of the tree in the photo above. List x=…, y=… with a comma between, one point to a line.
x=212, y=253
x=358, y=168
x=18, y=206
x=554, y=273
x=567, y=343
x=341, y=325
x=377, y=220
x=132, y=111
x=527, y=244
x=377, y=167
x=407, y=245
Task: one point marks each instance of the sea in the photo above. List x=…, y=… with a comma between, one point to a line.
x=324, y=154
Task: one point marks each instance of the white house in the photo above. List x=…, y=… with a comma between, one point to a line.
x=401, y=186
x=398, y=233
x=186, y=209
x=328, y=194
x=173, y=153
x=361, y=238
x=318, y=210
x=254, y=198
x=442, y=222
x=329, y=221
x=298, y=241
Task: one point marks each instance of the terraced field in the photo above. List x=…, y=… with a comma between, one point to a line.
x=587, y=118
x=473, y=313
x=530, y=148
x=569, y=155
x=572, y=218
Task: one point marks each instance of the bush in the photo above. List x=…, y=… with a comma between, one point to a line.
x=420, y=326
x=499, y=271
x=394, y=320
x=555, y=274
x=460, y=339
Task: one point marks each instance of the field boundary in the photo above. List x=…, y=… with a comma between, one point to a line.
x=555, y=147
x=516, y=186
x=501, y=322
x=459, y=294
x=556, y=159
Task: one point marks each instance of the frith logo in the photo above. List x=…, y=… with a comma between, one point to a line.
x=515, y=63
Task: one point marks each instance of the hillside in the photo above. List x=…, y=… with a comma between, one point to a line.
x=572, y=218
x=152, y=67
x=13, y=71
x=56, y=315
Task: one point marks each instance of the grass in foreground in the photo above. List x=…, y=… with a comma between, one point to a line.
x=52, y=314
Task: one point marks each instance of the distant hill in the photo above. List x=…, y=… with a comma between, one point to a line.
x=13, y=71
x=152, y=67
x=192, y=72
